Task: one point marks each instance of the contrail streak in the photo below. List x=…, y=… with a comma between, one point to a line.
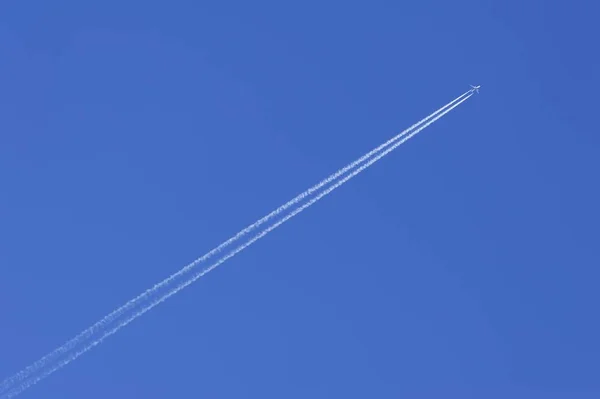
x=87, y=333
x=155, y=302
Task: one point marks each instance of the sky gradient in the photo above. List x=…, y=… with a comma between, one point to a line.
x=136, y=136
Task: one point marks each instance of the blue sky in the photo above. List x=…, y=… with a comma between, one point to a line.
x=135, y=136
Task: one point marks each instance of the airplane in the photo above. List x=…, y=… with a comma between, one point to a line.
x=475, y=88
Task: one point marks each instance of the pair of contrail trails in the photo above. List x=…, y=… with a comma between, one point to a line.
x=47, y=364
x=148, y=293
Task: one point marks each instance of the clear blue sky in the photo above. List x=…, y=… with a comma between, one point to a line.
x=137, y=135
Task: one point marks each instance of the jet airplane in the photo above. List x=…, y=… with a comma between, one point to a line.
x=475, y=88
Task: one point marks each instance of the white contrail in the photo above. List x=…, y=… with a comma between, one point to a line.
x=71, y=344
x=201, y=273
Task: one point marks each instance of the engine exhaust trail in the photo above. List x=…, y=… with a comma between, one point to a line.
x=32, y=381
x=133, y=303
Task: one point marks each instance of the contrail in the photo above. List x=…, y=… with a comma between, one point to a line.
x=71, y=344
x=201, y=273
